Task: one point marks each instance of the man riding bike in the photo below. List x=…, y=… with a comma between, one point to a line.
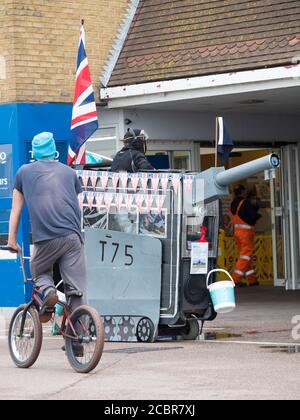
x=50, y=190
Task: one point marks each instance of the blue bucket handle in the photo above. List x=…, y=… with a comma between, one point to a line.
x=219, y=270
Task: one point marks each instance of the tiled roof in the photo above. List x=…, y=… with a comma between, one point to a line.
x=171, y=39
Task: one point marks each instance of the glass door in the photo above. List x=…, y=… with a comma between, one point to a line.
x=278, y=232
x=286, y=220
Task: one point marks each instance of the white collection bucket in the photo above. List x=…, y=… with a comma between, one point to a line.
x=222, y=293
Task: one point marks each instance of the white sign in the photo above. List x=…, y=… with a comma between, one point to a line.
x=199, y=258
x=6, y=255
x=3, y=157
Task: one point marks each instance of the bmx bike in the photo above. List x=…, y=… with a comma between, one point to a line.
x=82, y=330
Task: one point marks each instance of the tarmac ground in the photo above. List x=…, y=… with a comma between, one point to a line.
x=253, y=353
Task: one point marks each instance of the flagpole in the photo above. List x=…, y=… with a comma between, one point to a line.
x=216, y=146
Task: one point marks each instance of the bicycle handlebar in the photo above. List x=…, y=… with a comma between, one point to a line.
x=7, y=248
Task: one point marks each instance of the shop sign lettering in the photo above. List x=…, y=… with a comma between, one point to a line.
x=6, y=170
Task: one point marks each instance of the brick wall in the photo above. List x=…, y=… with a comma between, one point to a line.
x=39, y=39
x=7, y=70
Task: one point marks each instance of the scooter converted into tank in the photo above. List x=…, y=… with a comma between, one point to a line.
x=139, y=231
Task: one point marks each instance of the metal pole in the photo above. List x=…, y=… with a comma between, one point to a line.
x=225, y=178
x=216, y=147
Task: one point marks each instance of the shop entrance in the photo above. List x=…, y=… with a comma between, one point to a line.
x=285, y=199
x=277, y=241
x=228, y=252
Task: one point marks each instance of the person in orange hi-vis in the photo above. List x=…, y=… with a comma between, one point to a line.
x=244, y=211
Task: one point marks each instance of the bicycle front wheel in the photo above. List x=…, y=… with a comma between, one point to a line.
x=85, y=351
x=25, y=347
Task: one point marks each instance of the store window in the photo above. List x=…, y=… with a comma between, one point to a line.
x=182, y=160
x=159, y=160
x=103, y=142
x=178, y=160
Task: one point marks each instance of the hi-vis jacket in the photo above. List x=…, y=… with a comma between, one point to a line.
x=244, y=214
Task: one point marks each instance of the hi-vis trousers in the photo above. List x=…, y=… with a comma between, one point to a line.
x=244, y=269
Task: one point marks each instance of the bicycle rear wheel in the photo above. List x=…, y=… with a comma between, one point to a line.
x=25, y=349
x=85, y=353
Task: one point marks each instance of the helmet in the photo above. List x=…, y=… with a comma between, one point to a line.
x=136, y=139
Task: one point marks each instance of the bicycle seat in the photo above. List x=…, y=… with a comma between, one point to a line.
x=71, y=292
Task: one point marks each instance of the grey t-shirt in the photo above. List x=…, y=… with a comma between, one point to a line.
x=51, y=193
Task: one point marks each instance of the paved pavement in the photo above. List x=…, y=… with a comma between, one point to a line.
x=263, y=314
x=227, y=368
x=175, y=370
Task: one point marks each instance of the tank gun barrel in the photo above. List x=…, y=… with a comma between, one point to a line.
x=217, y=180
x=225, y=178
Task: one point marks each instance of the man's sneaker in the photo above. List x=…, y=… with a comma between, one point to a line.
x=48, y=306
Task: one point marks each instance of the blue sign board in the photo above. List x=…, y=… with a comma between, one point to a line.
x=20, y=123
x=6, y=171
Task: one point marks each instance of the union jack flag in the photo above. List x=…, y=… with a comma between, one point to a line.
x=84, y=115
